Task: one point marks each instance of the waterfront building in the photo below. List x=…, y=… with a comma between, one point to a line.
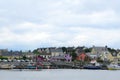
x=82, y=57
x=101, y=52
x=44, y=52
x=56, y=52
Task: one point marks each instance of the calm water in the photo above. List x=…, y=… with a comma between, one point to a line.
x=60, y=74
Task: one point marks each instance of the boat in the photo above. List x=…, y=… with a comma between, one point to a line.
x=30, y=66
x=92, y=65
x=113, y=67
x=6, y=66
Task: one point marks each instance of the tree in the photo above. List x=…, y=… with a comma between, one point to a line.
x=111, y=50
x=87, y=50
x=2, y=57
x=20, y=51
x=74, y=55
x=24, y=57
x=99, y=60
x=29, y=51
x=11, y=51
x=64, y=49
x=36, y=52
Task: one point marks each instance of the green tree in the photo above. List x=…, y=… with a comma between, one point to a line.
x=111, y=50
x=87, y=50
x=36, y=52
x=24, y=57
x=74, y=55
x=2, y=57
x=64, y=49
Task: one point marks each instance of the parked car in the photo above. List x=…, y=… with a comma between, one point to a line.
x=27, y=60
x=18, y=61
x=22, y=60
x=9, y=60
x=4, y=60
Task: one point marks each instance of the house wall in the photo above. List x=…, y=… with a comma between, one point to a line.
x=46, y=56
x=118, y=55
x=12, y=57
x=57, y=54
x=110, y=57
x=81, y=57
x=93, y=51
x=106, y=56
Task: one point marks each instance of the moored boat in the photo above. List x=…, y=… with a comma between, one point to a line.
x=113, y=67
x=93, y=65
x=6, y=66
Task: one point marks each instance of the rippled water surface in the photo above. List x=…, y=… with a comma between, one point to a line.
x=60, y=74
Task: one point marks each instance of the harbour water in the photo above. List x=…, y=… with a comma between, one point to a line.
x=60, y=74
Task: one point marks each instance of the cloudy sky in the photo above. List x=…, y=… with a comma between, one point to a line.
x=29, y=24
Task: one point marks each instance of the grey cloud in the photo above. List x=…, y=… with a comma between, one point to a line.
x=39, y=11
x=61, y=15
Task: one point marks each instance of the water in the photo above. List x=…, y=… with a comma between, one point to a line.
x=60, y=74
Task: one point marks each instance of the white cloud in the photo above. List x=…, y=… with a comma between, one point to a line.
x=93, y=36
x=37, y=34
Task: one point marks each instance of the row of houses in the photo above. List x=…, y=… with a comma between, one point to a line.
x=4, y=53
x=66, y=53
x=50, y=52
x=105, y=54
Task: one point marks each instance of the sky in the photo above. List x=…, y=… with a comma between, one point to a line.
x=30, y=24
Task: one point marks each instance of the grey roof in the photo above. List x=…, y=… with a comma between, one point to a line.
x=99, y=49
x=56, y=50
x=28, y=53
x=15, y=53
x=6, y=54
x=46, y=48
x=70, y=48
x=3, y=50
x=44, y=53
x=79, y=50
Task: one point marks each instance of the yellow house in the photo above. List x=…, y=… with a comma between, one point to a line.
x=107, y=56
x=110, y=57
x=102, y=52
x=118, y=55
